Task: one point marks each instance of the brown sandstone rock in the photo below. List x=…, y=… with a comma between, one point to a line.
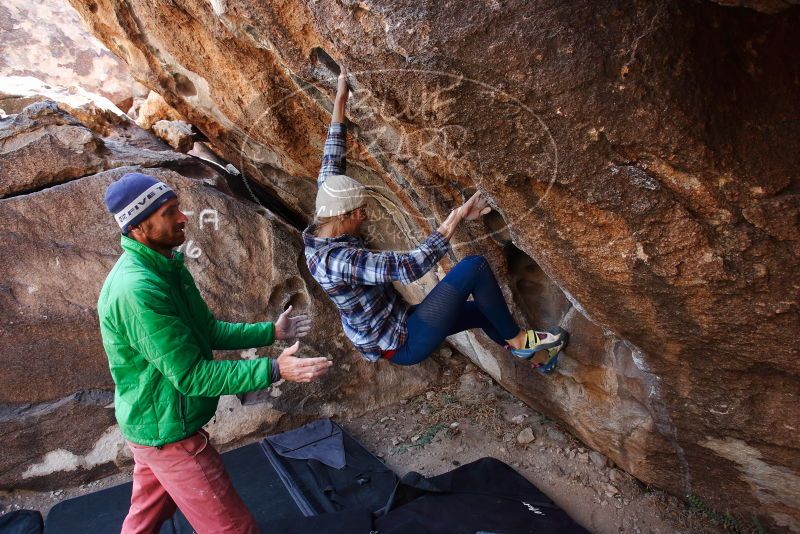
x=39, y=449
x=92, y=110
x=44, y=145
x=45, y=39
x=44, y=134
x=177, y=134
x=154, y=109
x=638, y=153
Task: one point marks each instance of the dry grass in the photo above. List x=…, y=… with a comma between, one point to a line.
x=446, y=408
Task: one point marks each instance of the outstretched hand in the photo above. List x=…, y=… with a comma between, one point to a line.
x=469, y=210
x=291, y=327
x=474, y=207
x=296, y=369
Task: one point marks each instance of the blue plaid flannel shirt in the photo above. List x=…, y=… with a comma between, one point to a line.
x=359, y=281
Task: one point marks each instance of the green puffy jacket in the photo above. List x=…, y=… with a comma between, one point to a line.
x=158, y=334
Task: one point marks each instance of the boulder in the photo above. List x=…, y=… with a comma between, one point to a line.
x=91, y=109
x=44, y=145
x=17, y=92
x=153, y=110
x=46, y=40
x=177, y=134
x=636, y=153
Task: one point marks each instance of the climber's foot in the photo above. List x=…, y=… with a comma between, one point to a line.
x=539, y=340
x=552, y=355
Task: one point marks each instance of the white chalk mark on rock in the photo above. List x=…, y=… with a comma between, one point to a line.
x=105, y=450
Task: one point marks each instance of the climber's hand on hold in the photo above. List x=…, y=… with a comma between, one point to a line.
x=296, y=369
x=475, y=207
x=470, y=210
x=291, y=327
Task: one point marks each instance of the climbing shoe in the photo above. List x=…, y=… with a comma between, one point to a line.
x=539, y=340
x=552, y=355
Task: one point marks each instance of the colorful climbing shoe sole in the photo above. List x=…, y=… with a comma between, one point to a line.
x=556, y=334
x=553, y=353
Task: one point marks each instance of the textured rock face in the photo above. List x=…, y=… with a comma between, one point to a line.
x=154, y=109
x=177, y=134
x=58, y=243
x=765, y=6
x=45, y=39
x=44, y=145
x=645, y=156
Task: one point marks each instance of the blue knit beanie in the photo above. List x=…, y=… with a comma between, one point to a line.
x=134, y=197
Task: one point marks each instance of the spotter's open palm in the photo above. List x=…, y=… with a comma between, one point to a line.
x=291, y=327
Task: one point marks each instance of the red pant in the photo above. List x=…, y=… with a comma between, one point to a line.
x=189, y=475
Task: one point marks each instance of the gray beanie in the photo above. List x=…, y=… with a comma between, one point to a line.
x=339, y=194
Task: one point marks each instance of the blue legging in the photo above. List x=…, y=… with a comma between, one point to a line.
x=446, y=311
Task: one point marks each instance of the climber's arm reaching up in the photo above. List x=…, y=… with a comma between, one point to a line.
x=342, y=92
x=333, y=155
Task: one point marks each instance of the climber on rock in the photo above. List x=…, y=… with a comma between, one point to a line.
x=378, y=321
x=158, y=335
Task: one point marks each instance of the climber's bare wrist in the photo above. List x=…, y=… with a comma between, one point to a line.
x=342, y=93
x=339, y=106
x=448, y=227
x=446, y=231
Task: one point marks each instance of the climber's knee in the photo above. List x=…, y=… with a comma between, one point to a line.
x=466, y=272
x=475, y=259
x=476, y=263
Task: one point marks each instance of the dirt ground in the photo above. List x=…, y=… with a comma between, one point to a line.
x=470, y=417
x=466, y=418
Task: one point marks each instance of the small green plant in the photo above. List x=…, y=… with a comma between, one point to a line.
x=725, y=520
x=402, y=449
x=757, y=524
x=427, y=437
x=449, y=399
x=730, y=522
x=424, y=439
